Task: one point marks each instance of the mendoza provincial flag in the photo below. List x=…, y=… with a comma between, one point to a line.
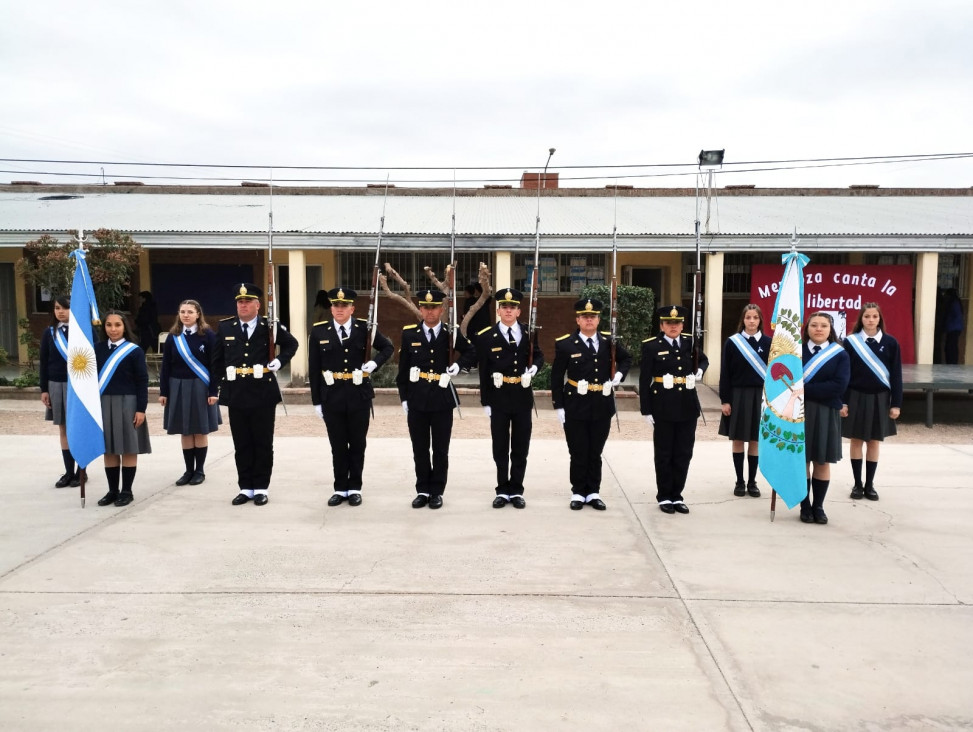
x=782, y=456
x=86, y=435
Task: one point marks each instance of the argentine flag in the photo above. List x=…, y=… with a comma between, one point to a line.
x=86, y=435
x=782, y=455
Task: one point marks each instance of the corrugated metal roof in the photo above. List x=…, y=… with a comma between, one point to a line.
x=561, y=215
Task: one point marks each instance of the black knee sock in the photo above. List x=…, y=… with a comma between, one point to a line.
x=189, y=457
x=200, y=458
x=112, y=475
x=870, y=467
x=856, y=470
x=752, y=467
x=738, y=465
x=806, y=501
x=820, y=489
x=128, y=477
x=68, y=462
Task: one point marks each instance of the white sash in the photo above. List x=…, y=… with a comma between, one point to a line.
x=866, y=354
x=182, y=345
x=111, y=365
x=60, y=342
x=819, y=359
x=743, y=345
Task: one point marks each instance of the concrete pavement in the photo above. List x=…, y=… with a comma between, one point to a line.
x=184, y=612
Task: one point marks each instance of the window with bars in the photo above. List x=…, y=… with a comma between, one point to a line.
x=355, y=268
x=560, y=272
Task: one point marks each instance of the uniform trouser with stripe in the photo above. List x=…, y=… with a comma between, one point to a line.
x=511, y=442
x=673, y=443
x=253, y=444
x=586, y=441
x=347, y=430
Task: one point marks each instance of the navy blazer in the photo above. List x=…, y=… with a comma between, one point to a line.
x=202, y=346
x=246, y=392
x=53, y=367
x=435, y=358
x=131, y=376
x=677, y=404
x=736, y=371
x=830, y=382
x=573, y=360
x=326, y=352
x=863, y=379
x=496, y=354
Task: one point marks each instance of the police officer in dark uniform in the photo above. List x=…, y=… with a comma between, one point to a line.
x=428, y=397
x=502, y=352
x=667, y=390
x=248, y=388
x=582, y=387
x=341, y=388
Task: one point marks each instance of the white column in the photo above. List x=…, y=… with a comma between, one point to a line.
x=296, y=279
x=504, y=270
x=713, y=318
x=927, y=273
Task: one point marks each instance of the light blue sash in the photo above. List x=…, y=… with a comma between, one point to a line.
x=111, y=365
x=866, y=354
x=743, y=345
x=819, y=359
x=60, y=342
x=182, y=345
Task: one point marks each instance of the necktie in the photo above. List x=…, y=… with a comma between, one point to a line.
x=246, y=331
x=513, y=341
x=675, y=343
x=817, y=348
x=112, y=347
x=187, y=332
x=432, y=335
x=591, y=346
x=753, y=341
x=342, y=332
x=870, y=341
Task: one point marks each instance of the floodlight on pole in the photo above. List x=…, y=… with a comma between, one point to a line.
x=710, y=158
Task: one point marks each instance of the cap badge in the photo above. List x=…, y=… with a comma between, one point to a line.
x=587, y=306
x=341, y=294
x=243, y=289
x=673, y=313
x=428, y=297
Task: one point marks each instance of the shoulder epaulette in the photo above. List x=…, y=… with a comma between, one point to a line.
x=688, y=335
x=481, y=332
x=410, y=327
x=223, y=320
x=650, y=339
x=606, y=333
x=363, y=320
x=322, y=322
x=566, y=335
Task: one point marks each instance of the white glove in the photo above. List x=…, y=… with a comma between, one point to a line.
x=560, y=415
x=487, y=411
x=453, y=370
x=274, y=365
x=699, y=375
x=650, y=420
x=405, y=408
x=531, y=371
x=369, y=367
x=318, y=411
x=617, y=378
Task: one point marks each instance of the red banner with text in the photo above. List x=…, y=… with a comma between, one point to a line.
x=841, y=290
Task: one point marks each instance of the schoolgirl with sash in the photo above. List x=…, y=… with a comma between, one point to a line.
x=826, y=374
x=742, y=374
x=124, y=384
x=54, y=382
x=186, y=391
x=874, y=397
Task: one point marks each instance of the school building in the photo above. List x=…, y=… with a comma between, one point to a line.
x=198, y=240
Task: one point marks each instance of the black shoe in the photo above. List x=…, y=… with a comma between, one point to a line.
x=420, y=501
x=240, y=499
x=597, y=504
x=680, y=508
x=858, y=491
x=435, y=501
x=753, y=490
x=499, y=502
x=336, y=500
x=667, y=508
x=819, y=516
x=198, y=477
x=185, y=477
x=354, y=499
x=64, y=481
x=740, y=489
x=518, y=502
x=108, y=499
x=124, y=498
x=870, y=493
x=260, y=499
x=577, y=505
x=75, y=480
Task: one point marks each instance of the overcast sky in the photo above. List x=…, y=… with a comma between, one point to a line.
x=492, y=83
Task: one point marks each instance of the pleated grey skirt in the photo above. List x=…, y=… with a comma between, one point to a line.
x=868, y=416
x=744, y=420
x=186, y=411
x=822, y=433
x=58, y=392
x=121, y=437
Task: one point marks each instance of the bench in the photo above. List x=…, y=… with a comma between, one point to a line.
x=930, y=378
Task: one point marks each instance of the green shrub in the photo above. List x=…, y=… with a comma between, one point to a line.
x=636, y=313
